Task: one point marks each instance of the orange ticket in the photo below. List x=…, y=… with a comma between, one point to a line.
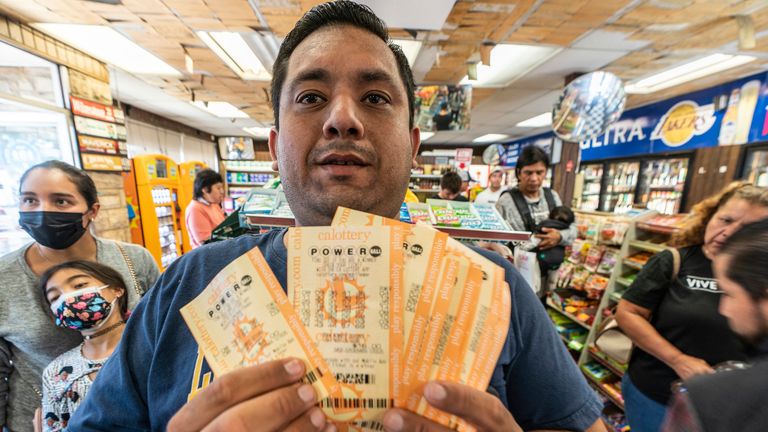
x=243, y=318
x=347, y=282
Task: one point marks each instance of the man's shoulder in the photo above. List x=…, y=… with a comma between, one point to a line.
x=511, y=274
x=10, y=261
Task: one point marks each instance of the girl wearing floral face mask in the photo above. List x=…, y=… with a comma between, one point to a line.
x=90, y=298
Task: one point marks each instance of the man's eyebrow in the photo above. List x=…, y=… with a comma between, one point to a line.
x=316, y=74
x=375, y=75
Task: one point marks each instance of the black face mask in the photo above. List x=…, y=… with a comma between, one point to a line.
x=56, y=230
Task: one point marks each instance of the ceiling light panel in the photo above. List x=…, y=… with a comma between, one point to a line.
x=258, y=132
x=489, y=138
x=235, y=52
x=220, y=109
x=410, y=48
x=425, y=135
x=687, y=72
x=540, y=120
x=510, y=62
x=109, y=46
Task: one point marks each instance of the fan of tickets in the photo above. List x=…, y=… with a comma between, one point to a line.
x=376, y=308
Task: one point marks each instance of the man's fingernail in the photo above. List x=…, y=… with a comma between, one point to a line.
x=393, y=421
x=317, y=418
x=293, y=367
x=307, y=393
x=434, y=392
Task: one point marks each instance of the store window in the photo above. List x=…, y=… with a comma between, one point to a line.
x=33, y=128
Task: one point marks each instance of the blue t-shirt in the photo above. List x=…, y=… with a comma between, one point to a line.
x=157, y=366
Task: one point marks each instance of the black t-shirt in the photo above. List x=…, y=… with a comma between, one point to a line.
x=685, y=313
x=460, y=197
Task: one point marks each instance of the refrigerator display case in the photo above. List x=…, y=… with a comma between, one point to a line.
x=662, y=184
x=756, y=166
x=620, y=186
x=593, y=182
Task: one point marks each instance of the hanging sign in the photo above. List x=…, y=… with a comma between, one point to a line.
x=95, y=162
x=85, y=87
x=93, y=110
x=98, y=145
x=99, y=128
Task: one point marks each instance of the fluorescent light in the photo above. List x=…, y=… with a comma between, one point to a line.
x=508, y=63
x=540, y=120
x=426, y=135
x=487, y=138
x=258, y=132
x=109, y=46
x=232, y=48
x=410, y=48
x=220, y=109
x=687, y=72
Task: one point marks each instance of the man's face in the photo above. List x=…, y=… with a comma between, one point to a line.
x=495, y=180
x=746, y=317
x=531, y=177
x=344, y=137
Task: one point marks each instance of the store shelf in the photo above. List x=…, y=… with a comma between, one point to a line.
x=647, y=246
x=676, y=188
x=590, y=193
x=592, y=179
x=661, y=229
x=632, y=264
x=568, y=315
x=426, y=190
x=247, y=184
x=263, y=171
x=426, y=176
x=600, y=358
x=572, y=344
x=623, y=281
x=604, y=392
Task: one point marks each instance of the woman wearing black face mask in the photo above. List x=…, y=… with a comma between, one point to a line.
x=58, y=202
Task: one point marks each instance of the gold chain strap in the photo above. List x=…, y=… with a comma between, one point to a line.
x=129, y=263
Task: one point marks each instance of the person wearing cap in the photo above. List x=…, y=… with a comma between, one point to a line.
x=494, y=190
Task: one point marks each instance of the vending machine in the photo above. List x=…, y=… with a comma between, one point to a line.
x=187, y=172
x=152, y=188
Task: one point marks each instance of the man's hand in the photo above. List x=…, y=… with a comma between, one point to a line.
x=267, y=397
x=549, y=239
x=686, y=366
x=37, y=421
x=482, y=410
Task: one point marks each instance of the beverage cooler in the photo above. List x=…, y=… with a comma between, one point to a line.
x=662, y=184
x=593, y=183
x=756, y=165
x=620, y=186
x=187, y=173
x=153, y=186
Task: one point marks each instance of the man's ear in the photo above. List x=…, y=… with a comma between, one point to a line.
x=272, y=143
x=415, y=144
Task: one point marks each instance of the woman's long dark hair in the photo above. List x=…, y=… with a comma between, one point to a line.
x=104, y=273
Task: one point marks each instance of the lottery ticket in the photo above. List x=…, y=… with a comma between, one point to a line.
x=347, y=282
x=243, y=318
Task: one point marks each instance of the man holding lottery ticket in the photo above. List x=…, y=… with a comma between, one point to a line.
x=216, y=345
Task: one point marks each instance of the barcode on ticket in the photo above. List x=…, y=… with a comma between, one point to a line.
x=312, y=376
x=369, y=425
x=368, y=403
x=355, y=378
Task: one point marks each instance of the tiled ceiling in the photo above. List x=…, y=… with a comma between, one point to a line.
x=632, y=38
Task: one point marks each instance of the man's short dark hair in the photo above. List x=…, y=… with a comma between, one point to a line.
x=451, y=181
x=338, y=13
x=204, y=180
x=529, y=156
x=748, y=265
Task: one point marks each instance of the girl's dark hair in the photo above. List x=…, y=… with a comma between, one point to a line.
x=337, y=13
x=84, y=183
x=531, y=155
x=104, y=273
x=204, y=180
x=748, y=265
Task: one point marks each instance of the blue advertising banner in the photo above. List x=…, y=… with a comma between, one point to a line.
x=728, y=114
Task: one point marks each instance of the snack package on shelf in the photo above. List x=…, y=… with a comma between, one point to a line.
x=444, y=214
x=580, y=276
x=595, y=286
x=564, y=275
x=640, y=258
x=579, y=250
x=612, y=232
x=420, y=212
x=594, y=256
x=593, y=230
x=466, y=214
x=490, y=217
x=610, y=257
x=260, y=201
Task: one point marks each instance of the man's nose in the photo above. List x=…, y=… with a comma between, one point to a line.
x=343, y=119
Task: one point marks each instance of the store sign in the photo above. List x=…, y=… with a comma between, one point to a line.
x=100, y=129
x=682, y=123
x=93, y=110
x=85, y=87
x=463, y=157
x=512, y=150
x=95, y=162
x=98, y=145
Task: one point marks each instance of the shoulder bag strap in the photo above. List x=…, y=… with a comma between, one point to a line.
x=129, y=262
x=550, y=197
x=523, y=209
x=675, y=262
